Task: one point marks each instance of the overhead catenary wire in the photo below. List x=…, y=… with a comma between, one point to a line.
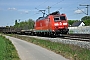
x=87, y=6
x=50, y=6
x=53, y=5
x=57, y=3
x=45, y=1
x=82, y=11
x=79, y=2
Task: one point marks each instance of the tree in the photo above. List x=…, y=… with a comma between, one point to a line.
x=70, y=22
x=85, y=18
x=31, y=23
x=87, y=22
x=16, y=24
x=25, y=25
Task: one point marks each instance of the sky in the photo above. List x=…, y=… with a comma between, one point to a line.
x=22, y=10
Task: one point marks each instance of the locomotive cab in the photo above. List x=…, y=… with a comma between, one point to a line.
x=61, y=24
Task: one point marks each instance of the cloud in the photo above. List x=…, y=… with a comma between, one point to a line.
x=12, y=9
x=24, y=11
x=21, y=11
x=78, y=11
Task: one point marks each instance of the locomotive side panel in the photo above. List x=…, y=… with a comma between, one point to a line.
x=41, y=25
x=51, y=23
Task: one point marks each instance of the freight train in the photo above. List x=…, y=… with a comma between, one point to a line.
x=52, y=25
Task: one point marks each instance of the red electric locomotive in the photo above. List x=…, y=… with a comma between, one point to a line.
x=52, y=25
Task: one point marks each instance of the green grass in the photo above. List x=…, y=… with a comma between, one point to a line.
x=7, y=50
x=69, y=51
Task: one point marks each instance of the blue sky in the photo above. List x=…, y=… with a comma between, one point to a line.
x=11, y=10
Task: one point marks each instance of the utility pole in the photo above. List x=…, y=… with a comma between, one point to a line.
x=48, y=9
x=87, y=6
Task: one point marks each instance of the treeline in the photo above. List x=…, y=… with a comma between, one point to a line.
x=29, y=24
x=85, y=19
x=24, y=25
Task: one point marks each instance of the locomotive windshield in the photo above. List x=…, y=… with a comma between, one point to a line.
x=56, y=18
x=59, y=18
x=62, y=18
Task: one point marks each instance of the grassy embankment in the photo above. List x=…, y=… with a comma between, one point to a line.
x=7, y=50
x=69, y=51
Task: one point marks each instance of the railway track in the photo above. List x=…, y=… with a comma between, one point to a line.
x=79, y=37
x=68, y=39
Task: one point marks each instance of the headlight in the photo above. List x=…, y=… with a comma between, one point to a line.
x=64, y=23
x=56, y=24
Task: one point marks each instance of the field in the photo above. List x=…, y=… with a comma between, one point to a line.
x=7, y=50
x=69, y=51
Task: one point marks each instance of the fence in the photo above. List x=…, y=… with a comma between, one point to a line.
x=79, y=30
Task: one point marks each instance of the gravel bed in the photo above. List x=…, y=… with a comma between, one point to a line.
x=82, y=44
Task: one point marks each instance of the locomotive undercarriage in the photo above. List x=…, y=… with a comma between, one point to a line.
x=62, y=31
x=52, y=33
